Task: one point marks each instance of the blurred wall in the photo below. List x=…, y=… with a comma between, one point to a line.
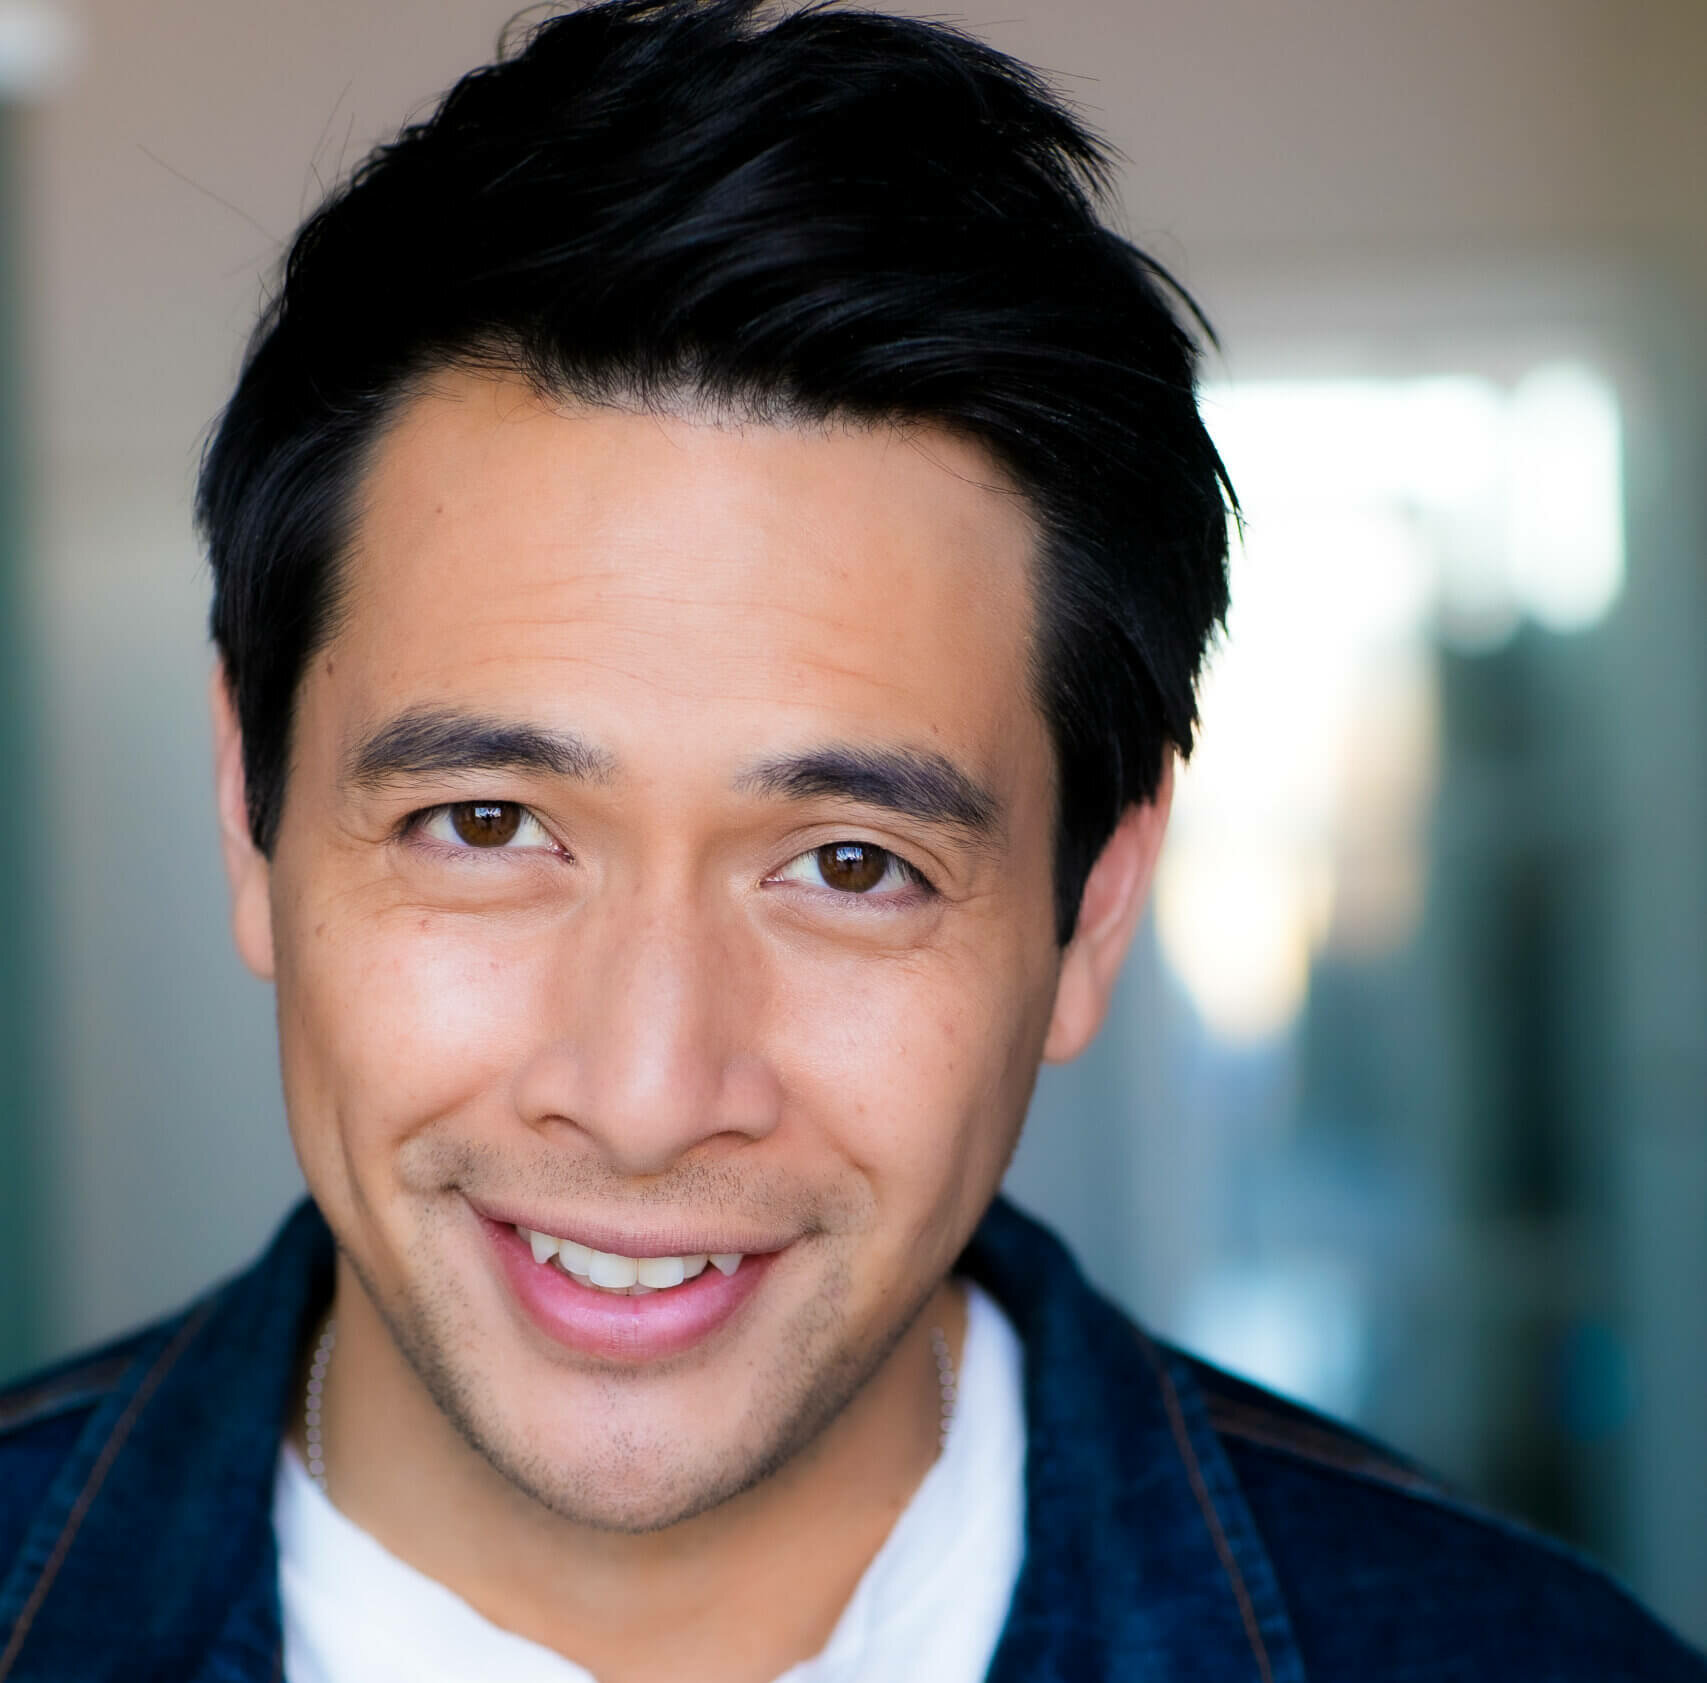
x=1269, y=146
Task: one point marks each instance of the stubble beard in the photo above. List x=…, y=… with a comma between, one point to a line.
x=634, y=1485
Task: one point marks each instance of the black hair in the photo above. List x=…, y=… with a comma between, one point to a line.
x=820, y=214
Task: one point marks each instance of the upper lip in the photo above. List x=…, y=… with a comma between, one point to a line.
x=660, y=1238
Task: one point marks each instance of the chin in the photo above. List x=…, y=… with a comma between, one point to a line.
x=631, y=1479
x=617, y=1455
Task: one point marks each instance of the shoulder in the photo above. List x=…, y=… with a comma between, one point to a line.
x=44, y=1416
x=1387, y=1573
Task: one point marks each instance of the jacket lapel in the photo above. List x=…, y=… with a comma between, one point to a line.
x=1142, y=1560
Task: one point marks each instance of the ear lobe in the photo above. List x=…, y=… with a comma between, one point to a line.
x=1113, y=901
x=247, y=870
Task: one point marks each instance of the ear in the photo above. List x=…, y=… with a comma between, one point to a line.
x=246, y=868
x=1113, y=901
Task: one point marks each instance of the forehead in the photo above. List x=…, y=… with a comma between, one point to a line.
x=734, y=586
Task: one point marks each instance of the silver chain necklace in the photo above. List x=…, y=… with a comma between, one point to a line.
x=314, y=1440
x=948, y=1386
x=311, y=1436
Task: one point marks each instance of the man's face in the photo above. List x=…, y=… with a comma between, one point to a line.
x=665, y=866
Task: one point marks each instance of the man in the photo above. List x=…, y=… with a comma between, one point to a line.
x=712, y=547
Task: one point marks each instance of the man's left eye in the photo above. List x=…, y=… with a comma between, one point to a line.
x=852, y=867
x=487, y=825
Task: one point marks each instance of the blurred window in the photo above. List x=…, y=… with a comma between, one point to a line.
x=1383, y=519
x=1377, y=905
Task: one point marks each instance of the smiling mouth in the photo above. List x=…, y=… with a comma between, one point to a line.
x=623, y=1276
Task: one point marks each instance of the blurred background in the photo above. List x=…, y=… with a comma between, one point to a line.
x=1403, y=1108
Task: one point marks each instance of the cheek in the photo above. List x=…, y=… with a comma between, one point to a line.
x=388, y=1023
x=919, y=1073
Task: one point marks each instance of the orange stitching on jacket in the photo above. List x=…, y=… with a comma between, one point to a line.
x=1322, y=1448
x=1176, y=1422
x=92, y=1485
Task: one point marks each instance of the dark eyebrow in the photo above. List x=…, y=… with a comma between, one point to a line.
x=427, y=740
x=918, y=785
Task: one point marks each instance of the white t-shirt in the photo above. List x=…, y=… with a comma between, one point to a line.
x=929, y=1608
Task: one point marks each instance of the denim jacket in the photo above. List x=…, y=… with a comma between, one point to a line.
x=1181, y=1526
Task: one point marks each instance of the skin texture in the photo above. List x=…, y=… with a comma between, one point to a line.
x=648, y=1013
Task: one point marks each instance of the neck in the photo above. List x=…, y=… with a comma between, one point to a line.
x=695, y=1599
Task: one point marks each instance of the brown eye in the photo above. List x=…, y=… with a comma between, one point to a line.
x=486, y=823
x=853, y=867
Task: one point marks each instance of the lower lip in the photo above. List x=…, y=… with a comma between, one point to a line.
x=612, y=1325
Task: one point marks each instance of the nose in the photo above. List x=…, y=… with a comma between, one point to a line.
x=654, y=1049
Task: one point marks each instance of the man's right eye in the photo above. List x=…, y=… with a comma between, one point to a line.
x=486, y=825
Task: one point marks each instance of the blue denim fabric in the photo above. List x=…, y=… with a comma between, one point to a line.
x=1181, y=1526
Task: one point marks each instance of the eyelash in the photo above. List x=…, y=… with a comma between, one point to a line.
x=419, y=824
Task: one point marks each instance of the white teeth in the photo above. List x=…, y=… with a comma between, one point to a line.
x=609, y=1270
x=615, y=1273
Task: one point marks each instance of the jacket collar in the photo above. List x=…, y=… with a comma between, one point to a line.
x=1142, y=1559
x=154, y=1557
